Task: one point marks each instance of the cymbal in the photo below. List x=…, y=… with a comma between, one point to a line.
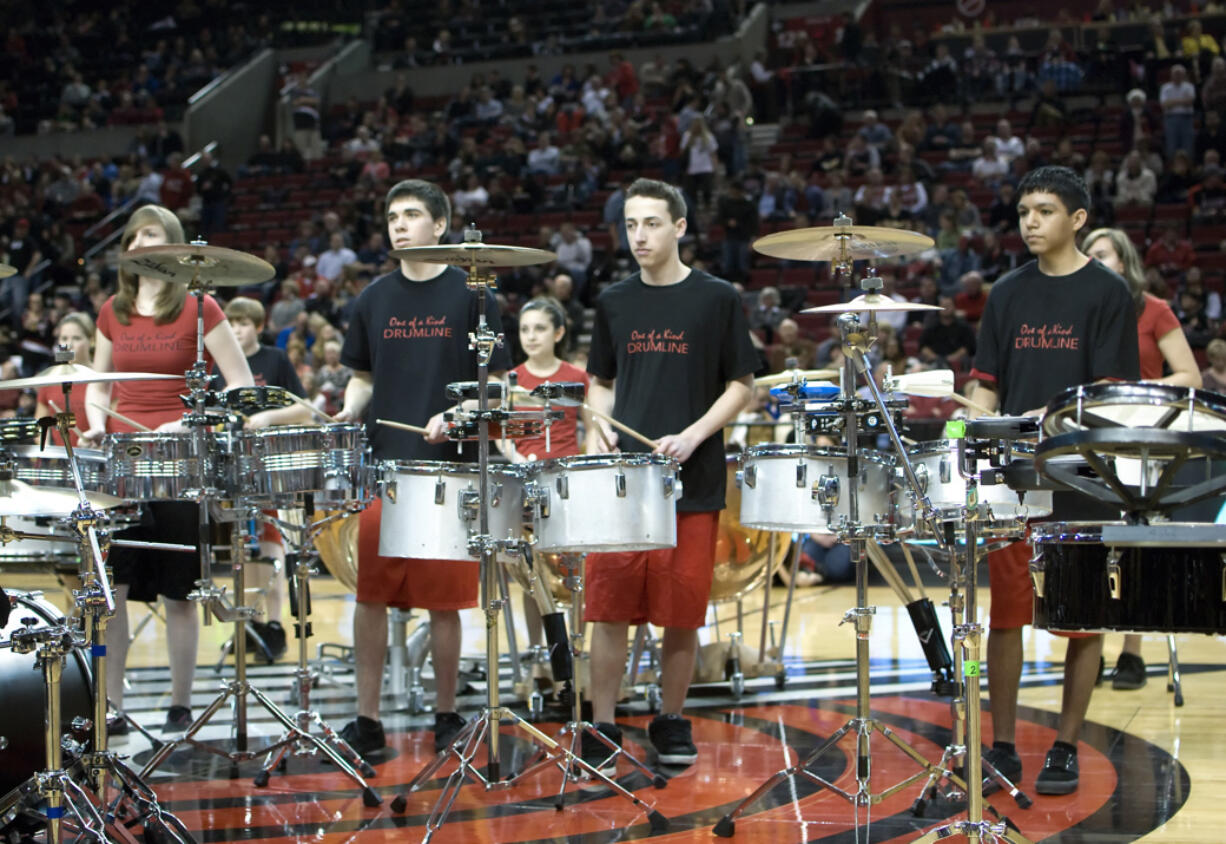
x=870, y=302
x=7, y=270
x=785, y=377
x=18, y=498
x=184, y=261
x=837, y=243
x=78, y=373
x=475, y=255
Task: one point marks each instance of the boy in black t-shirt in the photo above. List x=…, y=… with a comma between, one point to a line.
x=272, y=367
x=671, y=357
x=1051, y=324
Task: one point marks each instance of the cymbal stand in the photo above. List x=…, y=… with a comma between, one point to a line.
x=485, y=727
x=855, y=346
x=968, y=635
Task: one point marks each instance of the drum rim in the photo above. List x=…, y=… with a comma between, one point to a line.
x=818, y=451
x=1159, y=395
x=277, y=431
x=57, y=452
x=443, y=467
x=579, y=462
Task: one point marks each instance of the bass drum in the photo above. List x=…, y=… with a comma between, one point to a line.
x=337, y=544
x=742, y=555
x=22, y=704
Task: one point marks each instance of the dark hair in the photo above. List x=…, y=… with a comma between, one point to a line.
x=1061, y=181
x=553, y=309
x=428, y=193
x=169, y=302
x=655, y=189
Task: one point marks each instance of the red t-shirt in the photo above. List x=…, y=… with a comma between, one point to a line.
x=563, y=436
x=1154, y=323
x=144, y=346
x=971, y=306
x=49, y=394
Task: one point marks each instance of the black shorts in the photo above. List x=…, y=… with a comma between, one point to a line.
x=149, y=573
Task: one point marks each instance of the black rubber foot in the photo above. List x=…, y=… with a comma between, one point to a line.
x=1009, y=823
x=725, y=828
x=366, y=770
x=371, y=798
x=1179, y=699
x=1023, y=801
x=659, y=780
x=919, y=808
x=1170, y=687
x=659, y=823
x=399, y=804
x=261, y=779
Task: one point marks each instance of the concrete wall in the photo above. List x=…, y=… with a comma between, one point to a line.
x=109, y=141
x=233, y=110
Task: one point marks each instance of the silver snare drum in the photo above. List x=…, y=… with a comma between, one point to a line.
x=791, y=487
x=1007, y=510
x=161, y=466
x=605, y=502
x=430, y=508
x=277, y=465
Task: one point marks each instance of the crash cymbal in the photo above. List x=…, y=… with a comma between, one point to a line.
x=7, y=270
x=18, y=498
x=785, y=377
x=475, y=255
x=78, y=373
x=870, y=302
x=184, y=261
x=841, y=243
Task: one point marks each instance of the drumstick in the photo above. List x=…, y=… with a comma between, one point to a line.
x=964, y=401
x=621, y=427
x=300, y=400
x=886, y=568
x=138, y=426
x=76, y=430
x=389, y=423
x=906, y=552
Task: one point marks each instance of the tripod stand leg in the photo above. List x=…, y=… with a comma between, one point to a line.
x=1174, y=680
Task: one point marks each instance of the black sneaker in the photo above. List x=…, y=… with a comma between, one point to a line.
x=447, y=726
x=178, y=719
x=272, y=634
x=596, y=753
x=1129, y=673
x=1059, y=774
x=1007, y=763
x=364, y=735
x=673, y=740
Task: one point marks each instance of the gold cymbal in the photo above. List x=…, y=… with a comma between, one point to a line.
x=475, y=255
x=7, y=270
x=217, y=265
x=78, y=373
x=870, y=302
x=785, y=377
x=841, y=243
x=18, y=498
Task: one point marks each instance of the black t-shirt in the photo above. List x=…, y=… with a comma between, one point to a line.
x=947, y=339
x=412, y=336
x=1042, y=334
x=671, y=351
x=270, y=367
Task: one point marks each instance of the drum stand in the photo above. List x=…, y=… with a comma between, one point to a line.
x=855, y=344
x=486, y=726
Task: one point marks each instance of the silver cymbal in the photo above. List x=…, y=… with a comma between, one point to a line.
x=870, y=302
x=18, y=498
x=841, y=243
x=183, y=262
x=78, y=373
x=475, y=255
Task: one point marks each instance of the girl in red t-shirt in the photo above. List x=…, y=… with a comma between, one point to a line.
x=149, y=325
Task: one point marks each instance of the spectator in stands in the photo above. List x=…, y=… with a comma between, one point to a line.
x=1058, y=65
x=287, y=308
x=215, y=186
x=263, y=161
x=1214, y=376
x=994, y=260
x=970, y=302
x=1199, y=48
x=860, y=157
x=1194, y=283
x=929, y=294
x=332, y=262
x=25, y=252
x=304, y=114
x=966, y=215
x=1213, y=89
x=1196, y=325
x=359, y=147
x=947, y=236
x=1136, y=183
x=990, y=168
x=1137, y=120
x=545, y=158
x=947, y=340
x=88, y=207
x=1100, y=180
x=574, y=252
x=177, y=183
x=910, y=191
x=332, y=377
x=941, y=74
x=149, y=188
x=1013, y=77
x=74, y=97
x=1209, y=204
x=957, y=262
x=874, y=132
x=895, y=216
x=963, y=152
x=739, y=217
x=789, y=343
x=1212, y=135
x=896, y=320
x=837, y=198
x=870, y=198
x=1008, y=145
x=164, y=143
x=1178, y=99
x=471, y=199
x=1050, y=108
x=488, y=109
x=1177, y=180
x=562, y=288
x=906, y=160
x=767, y=314
x=764, y=86
x=699, y=147
x=778, y=199
x=942, y=133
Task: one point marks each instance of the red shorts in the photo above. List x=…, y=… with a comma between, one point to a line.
x=1013, y=590
x=668, y=588
x=268, y=530
x=407, y=583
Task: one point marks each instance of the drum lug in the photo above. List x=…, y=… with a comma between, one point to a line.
x=1223, y=557
x=802, y=475
x=389, y=489
x=670, y=484
x=1113, y=573
x=542, y=501
x=467, y=502
x=619, y=483
x=945, y=471
x=495, y=494
x=440, y=491
x=1038, y=571
x=826, y=491
x=751, y=476
x=563, y=487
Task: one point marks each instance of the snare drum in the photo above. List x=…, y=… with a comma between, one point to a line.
x=605, y=502
x=791, y=487
x=430, y=508
x=1161, y=590
x=275, y=466
x=161, y=466
x=936, y=468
